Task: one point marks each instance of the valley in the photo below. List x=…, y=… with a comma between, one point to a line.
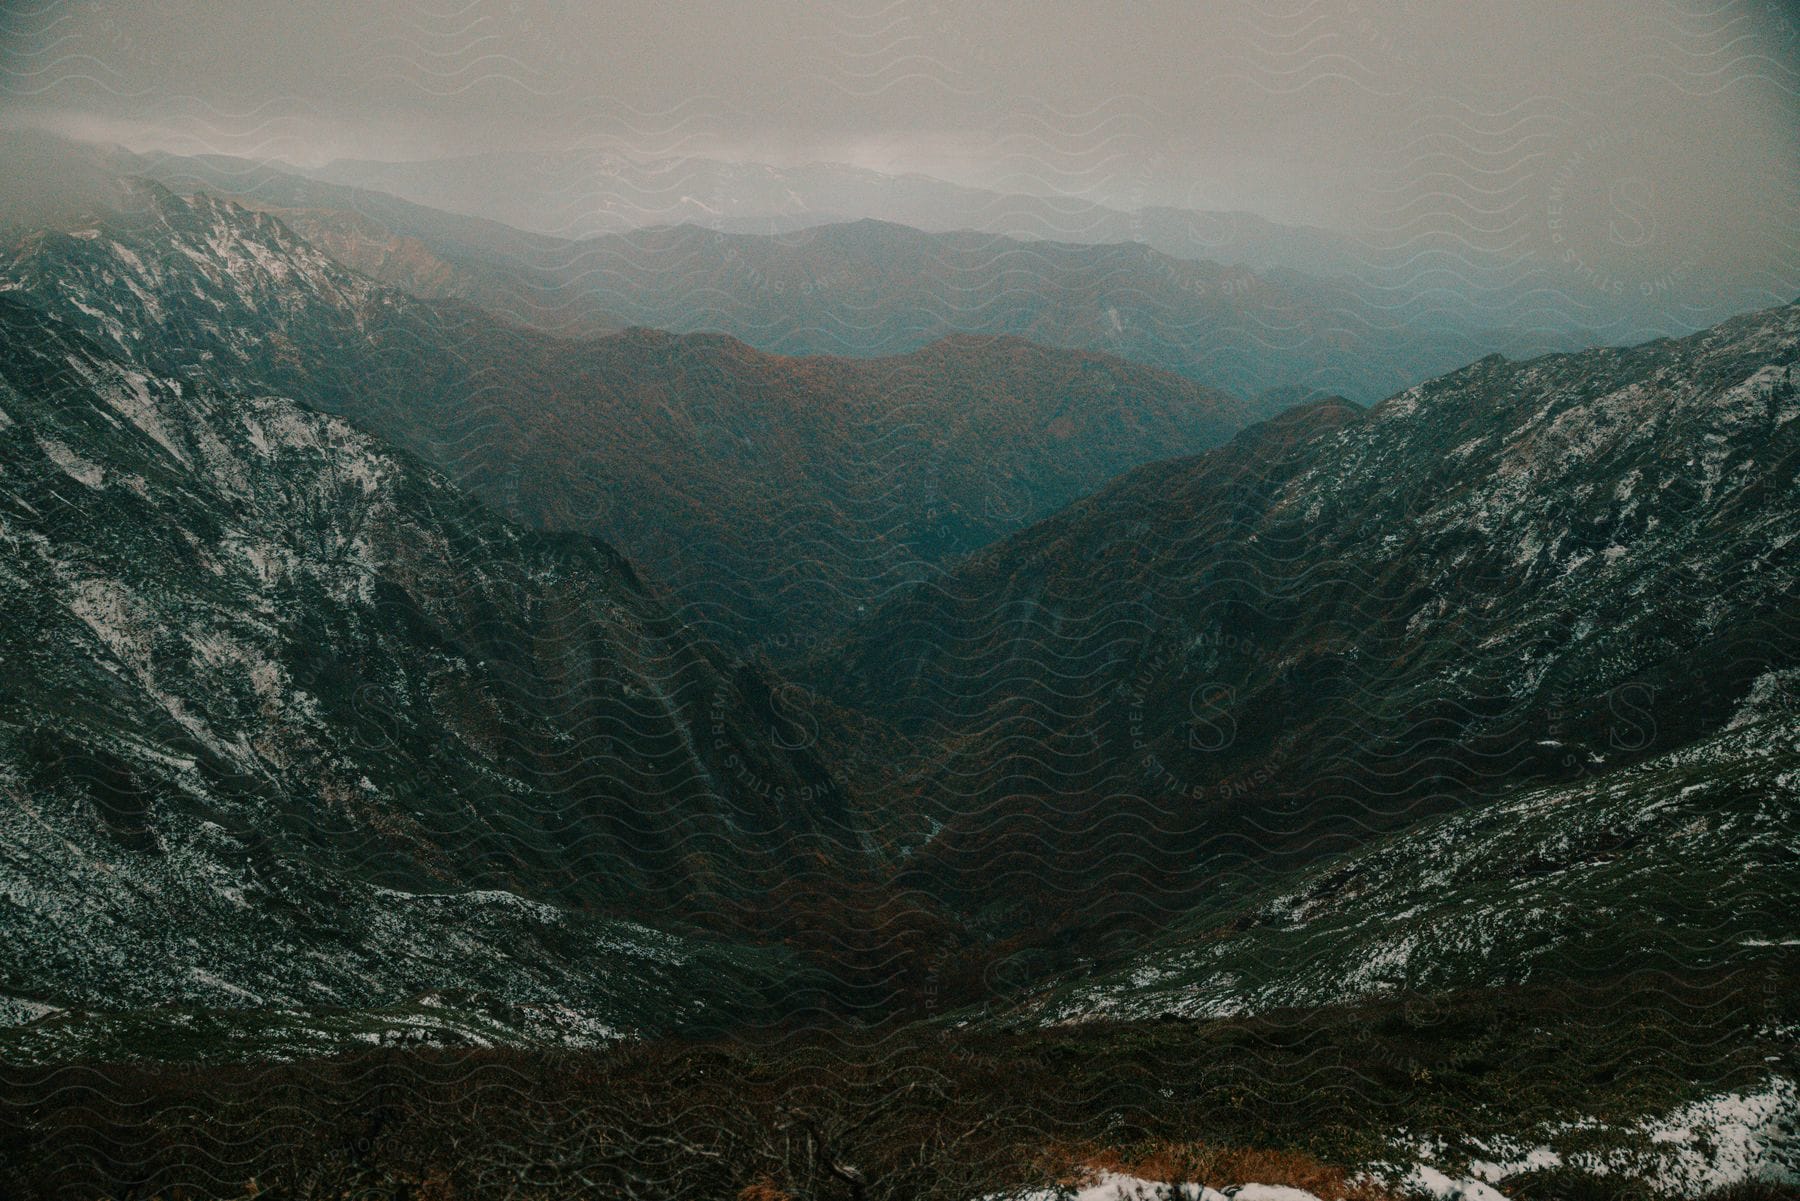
x=799, y=705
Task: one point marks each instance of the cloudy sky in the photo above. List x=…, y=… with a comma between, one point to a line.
x=1663, y=128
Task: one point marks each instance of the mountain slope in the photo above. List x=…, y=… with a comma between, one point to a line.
x=1346, y=619
x=431, y=254
x=290, y=722
x=519, y=277
x=511, y=290
x=1672, y=867
x=777, y=496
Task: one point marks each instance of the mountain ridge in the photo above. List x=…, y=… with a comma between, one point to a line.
x=1346, y=618
x=701, y=457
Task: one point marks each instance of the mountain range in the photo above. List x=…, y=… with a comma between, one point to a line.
x=1163, y=287
x=1521, y=279
x=579, y=195
x=870, y=287
x=772, y=493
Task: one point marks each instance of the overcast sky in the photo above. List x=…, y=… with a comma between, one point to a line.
x=1673, y=125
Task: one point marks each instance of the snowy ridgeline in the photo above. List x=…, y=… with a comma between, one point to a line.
x=1117, y=1186
x=1725, y=1139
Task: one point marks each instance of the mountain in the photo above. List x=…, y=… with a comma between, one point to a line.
x=519, y=277
x=782, y=496
x=1525, y=287
x=872, y=287
x=1204, y=295
x=290, y=724
x=1432, y=299
x=1341, y=622
x=777, y=496
x=1228, y=299
x=1673, y=864
x=511, y=290
x=1390, y=802
x=589, y=194
x=431, y=254
x=1163, y=292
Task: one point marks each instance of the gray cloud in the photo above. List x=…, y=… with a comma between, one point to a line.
x=1660, y=140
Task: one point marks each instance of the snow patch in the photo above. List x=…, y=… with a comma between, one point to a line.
x=1730, y=1138
x=132, y=399
x=1771, y=694
x=1117, y=1186
x=71, y=464
x=1437, y=1185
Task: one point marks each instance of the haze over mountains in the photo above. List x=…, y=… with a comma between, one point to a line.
x=581, y=194
x=1224, y=297
x=1543, y=284
x=873, y=286
x=578, y=196
x=1291, y=306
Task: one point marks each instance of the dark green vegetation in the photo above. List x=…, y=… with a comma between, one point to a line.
x=910, y=1112
x=1345, y=621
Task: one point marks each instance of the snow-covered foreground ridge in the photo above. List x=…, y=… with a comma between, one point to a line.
x=1723, y=1139
x=1726, y=1139
x=1120, y=1186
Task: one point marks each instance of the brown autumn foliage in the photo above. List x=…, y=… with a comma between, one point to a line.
x=882, y=1114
